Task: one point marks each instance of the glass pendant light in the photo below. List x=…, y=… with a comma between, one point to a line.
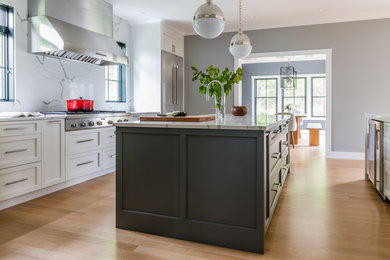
x=288, y=77
x=209, y=21
x=240, y=45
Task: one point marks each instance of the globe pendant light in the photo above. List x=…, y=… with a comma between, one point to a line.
x=208, y=21
x=240, y=45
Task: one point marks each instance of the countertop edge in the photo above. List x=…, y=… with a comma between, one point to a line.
x=201, y=125
x=18, y=119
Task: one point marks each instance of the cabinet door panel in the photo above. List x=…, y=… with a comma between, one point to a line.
x=386, y=165
x=53, y=152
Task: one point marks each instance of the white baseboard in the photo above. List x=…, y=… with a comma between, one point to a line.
x=345, y=155
x=42, y=192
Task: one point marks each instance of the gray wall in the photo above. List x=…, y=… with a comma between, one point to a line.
x=272, y=69
x=360, y=61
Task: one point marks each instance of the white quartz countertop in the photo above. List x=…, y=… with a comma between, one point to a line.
x=13, y=117
x=248, y=122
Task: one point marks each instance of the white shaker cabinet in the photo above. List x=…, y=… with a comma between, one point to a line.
x=53, y=152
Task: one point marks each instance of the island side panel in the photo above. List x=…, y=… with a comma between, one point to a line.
x=208, y=212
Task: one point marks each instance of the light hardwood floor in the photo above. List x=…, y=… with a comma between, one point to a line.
x=326, y=211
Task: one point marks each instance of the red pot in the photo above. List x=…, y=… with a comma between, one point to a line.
x=79, y=105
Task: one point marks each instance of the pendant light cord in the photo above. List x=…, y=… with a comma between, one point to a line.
x=240, y=16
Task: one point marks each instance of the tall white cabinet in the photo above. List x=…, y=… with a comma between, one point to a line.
x=148, y=40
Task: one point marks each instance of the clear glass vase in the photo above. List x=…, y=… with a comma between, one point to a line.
x=219, y=112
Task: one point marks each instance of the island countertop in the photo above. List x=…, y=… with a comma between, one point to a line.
x=248, y=122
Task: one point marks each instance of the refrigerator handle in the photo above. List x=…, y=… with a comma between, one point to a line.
x=173, y=84
x=177, y=70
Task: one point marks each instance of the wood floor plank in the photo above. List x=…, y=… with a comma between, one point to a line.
x=326, y=211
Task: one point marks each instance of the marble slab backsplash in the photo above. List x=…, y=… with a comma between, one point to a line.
x=44, y=83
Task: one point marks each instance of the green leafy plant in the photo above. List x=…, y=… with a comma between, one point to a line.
x=226, y=77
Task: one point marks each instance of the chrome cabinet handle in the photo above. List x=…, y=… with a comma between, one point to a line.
x=112, y=156
x=14, y=182
x=276, y=131
x=16, y=151
x=275, y=184
x=112, y=136
x=84, y=163
x=85, y=141
x=286, y=143
x=54, y=121
x=276, y=155
x=15, y=129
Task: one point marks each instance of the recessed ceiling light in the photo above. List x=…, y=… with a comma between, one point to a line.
x=321, y=10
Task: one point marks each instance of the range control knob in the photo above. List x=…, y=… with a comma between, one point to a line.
x=126, y=120
x=91, y=123
x=110, y=122
x=99, y=123
x=73, y=125
x=83, y=124
x=119, y=121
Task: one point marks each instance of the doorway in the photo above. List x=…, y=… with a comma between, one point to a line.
x=311, y=100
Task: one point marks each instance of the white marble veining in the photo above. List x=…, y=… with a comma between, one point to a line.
x=249, y=122
x=44, y=84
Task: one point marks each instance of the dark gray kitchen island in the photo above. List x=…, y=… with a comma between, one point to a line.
x=210, y=182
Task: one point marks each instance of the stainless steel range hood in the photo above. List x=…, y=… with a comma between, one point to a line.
x=77, y=30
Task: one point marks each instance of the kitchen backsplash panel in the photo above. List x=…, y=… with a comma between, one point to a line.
x=44, y=84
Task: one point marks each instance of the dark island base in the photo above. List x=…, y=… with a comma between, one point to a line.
x=206, y=186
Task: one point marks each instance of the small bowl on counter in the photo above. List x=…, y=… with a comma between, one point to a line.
x=239, y=110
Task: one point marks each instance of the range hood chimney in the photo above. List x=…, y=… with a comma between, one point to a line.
x=77, y=30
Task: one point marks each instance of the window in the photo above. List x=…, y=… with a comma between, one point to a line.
x=6, y=53
x=318, y=85
x=266, y=96
x=116, y=81
x=296, y=97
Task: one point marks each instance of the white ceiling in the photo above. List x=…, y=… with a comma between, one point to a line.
x=257, y=14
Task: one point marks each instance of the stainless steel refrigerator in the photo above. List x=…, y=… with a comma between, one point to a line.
x=172, y=90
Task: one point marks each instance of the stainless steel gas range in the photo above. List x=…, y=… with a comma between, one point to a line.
x=95, y=119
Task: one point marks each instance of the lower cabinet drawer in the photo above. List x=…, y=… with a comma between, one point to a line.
x=21, y=128
x=285, y=167
x=109, y=158
x=274, y=187
x=82, y=164
x=79, y=141
x=275, y=153
x=20, y=180
x=19, y=150
x=107, y=137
